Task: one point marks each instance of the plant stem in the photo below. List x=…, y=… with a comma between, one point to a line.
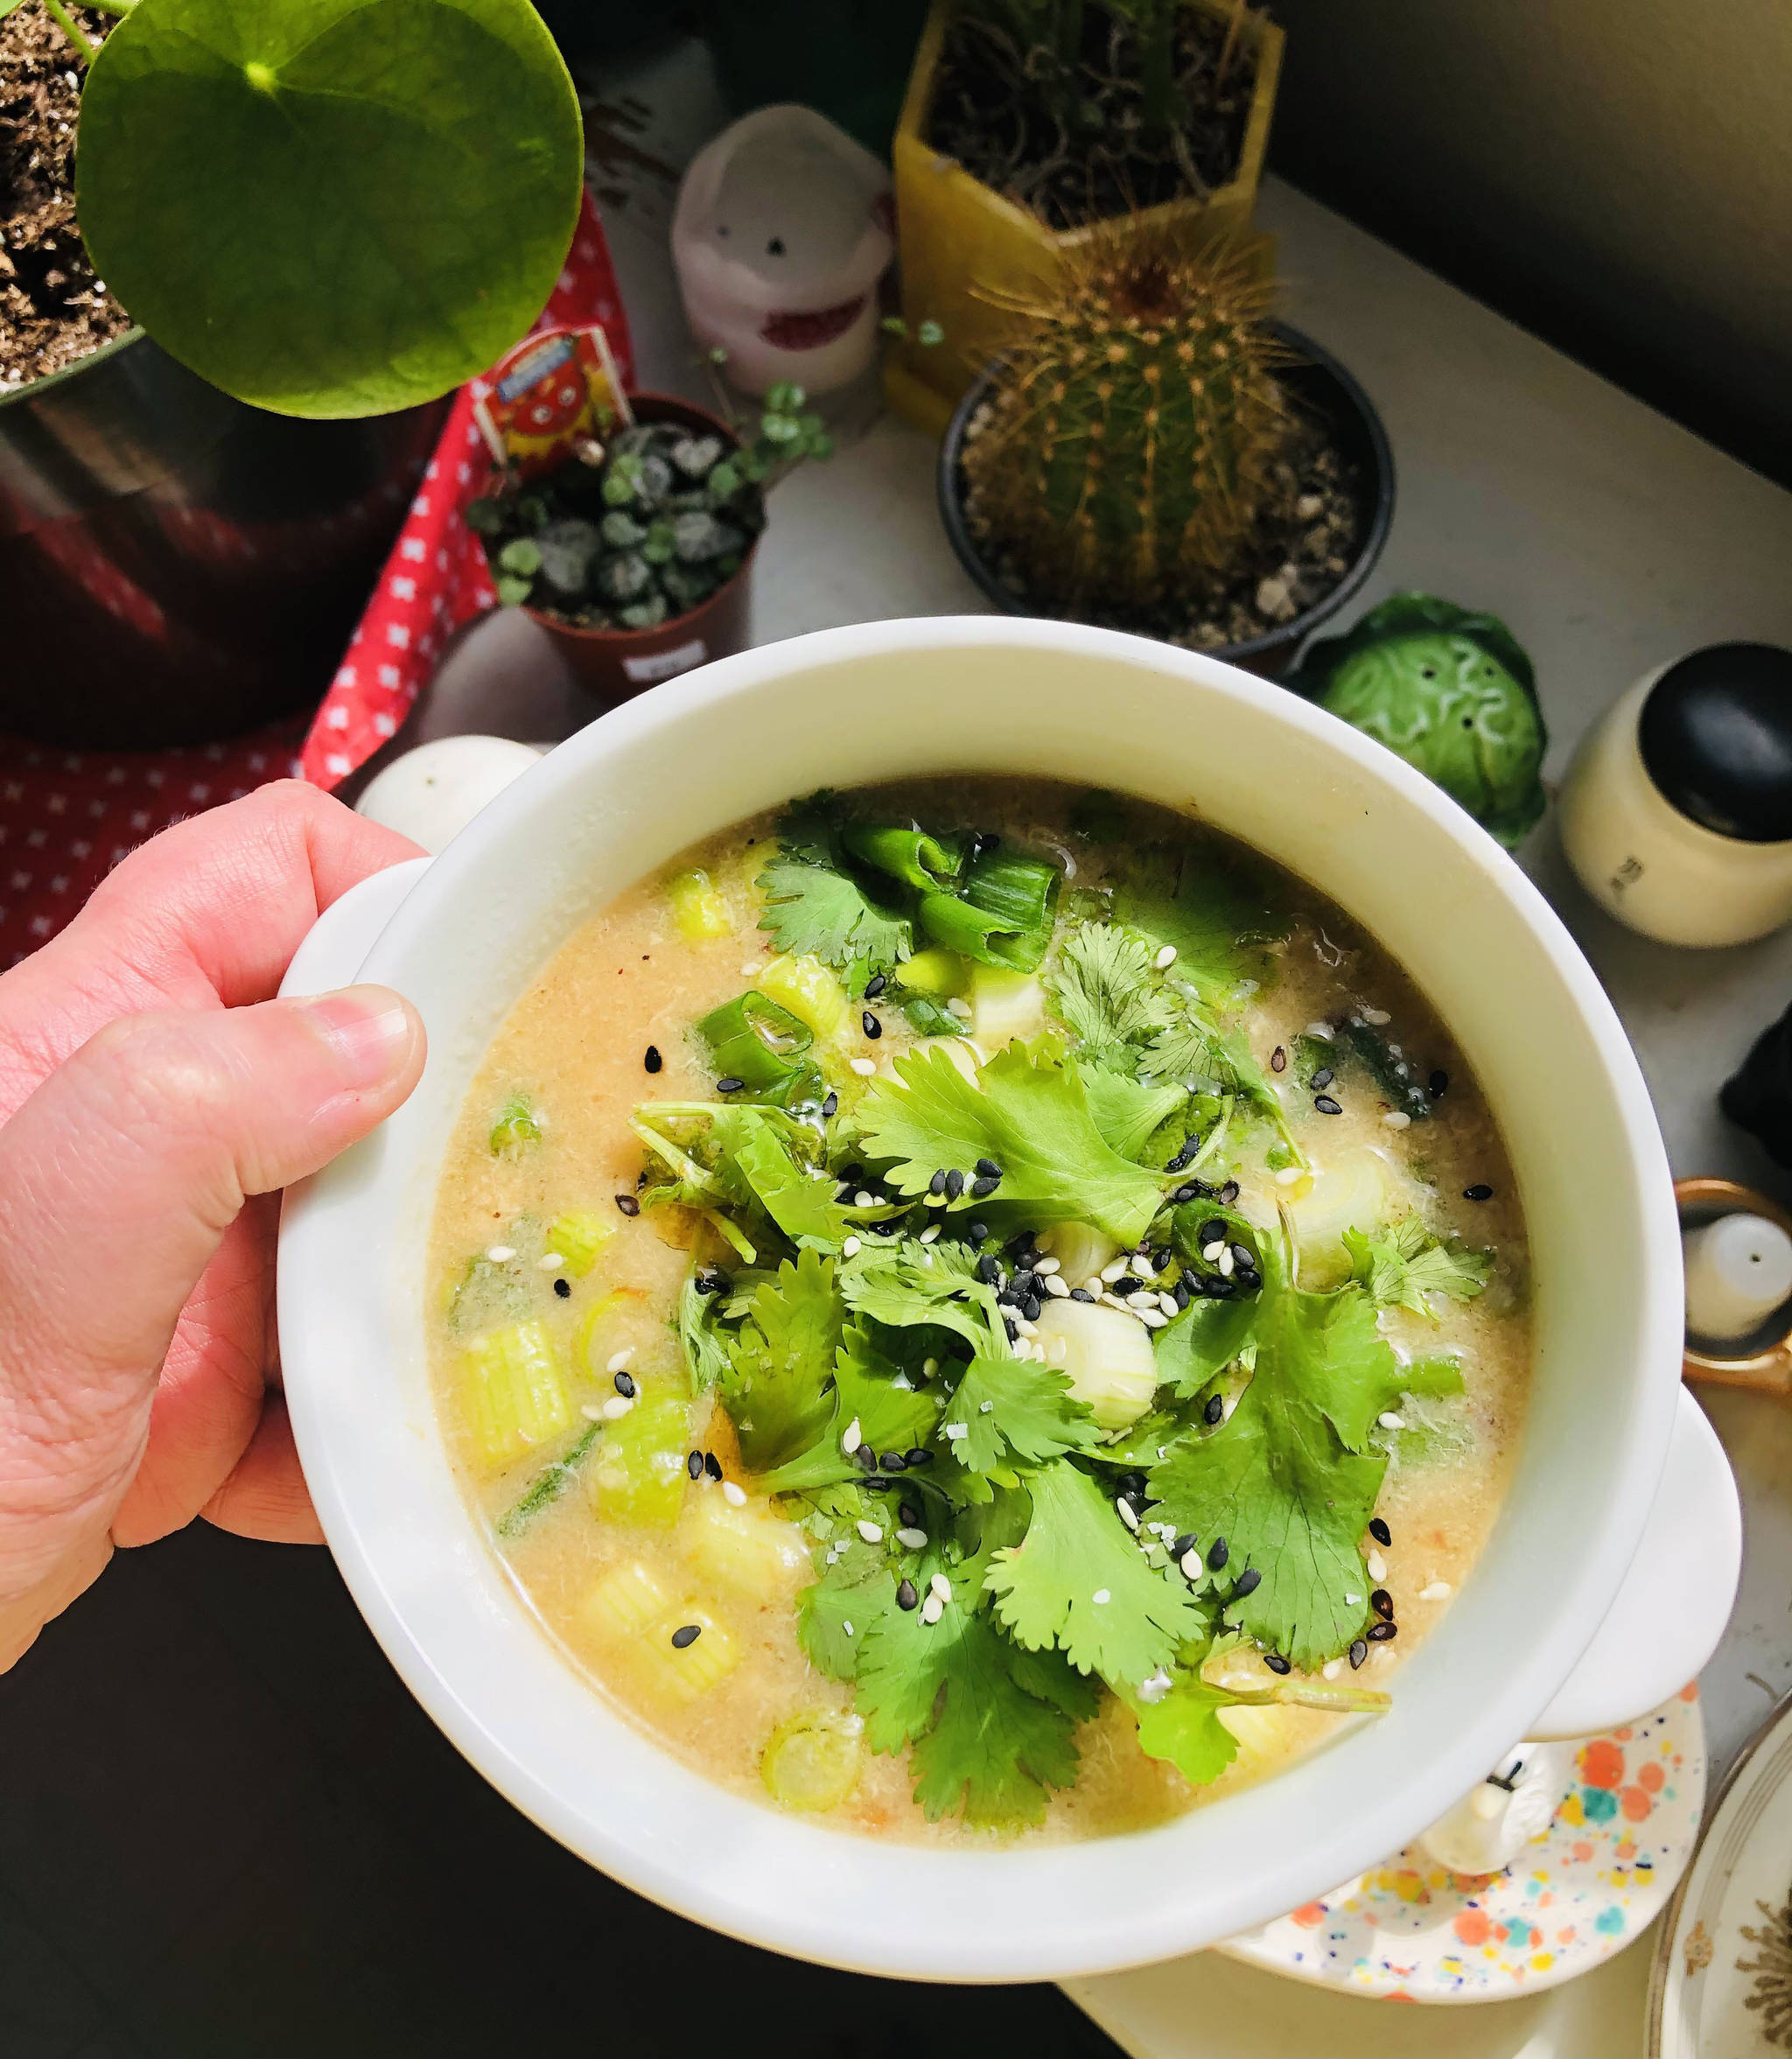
x=1229, y=46
x=72, y=29
x=120, y=8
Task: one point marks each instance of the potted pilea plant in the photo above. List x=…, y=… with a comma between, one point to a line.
x=1153, y=452
x=635, y=554
x=1031, y=124
x=299, y=223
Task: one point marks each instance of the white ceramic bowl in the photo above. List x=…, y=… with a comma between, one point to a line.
x=464, y=935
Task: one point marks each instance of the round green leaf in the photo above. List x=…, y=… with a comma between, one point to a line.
x=330, y=207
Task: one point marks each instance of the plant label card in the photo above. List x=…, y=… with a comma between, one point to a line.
x=553, y=390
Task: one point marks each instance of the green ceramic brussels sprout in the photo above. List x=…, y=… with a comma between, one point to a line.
x=1450, y=691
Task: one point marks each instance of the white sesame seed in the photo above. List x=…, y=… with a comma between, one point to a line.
x=592, y=1411
x=1353, y=1601
x=852, y=1438
x=1212, y=1251
x=1101, y=1595
x=956, y=1430
x=1153, y=1319
x=871, y=1532
x=1055, y=1284
x=1389, y=1420
x=752, y=966
x=1128, y=1514
x=863, y=1199
x=940, y=1585
x=932, y=1609
x=1143, y=1269
x=550, y=1262
x=959, y=1007
x=1167, y=1303
x=1332, y=1668
x=1376, y=1017
x=1156, y=1688
x=1397, y=1119
x=986, y=1408
x=1094, y=1284
x=621, y=1360
x=734, y=1494
x=1165, y=958
x=1288, y=1175
x=929, y=1368
x=1190, y=1563
x=850, y=1248
x=1226, y=1262
x=1436, y=1592
x=1112, y=1301
x=500, y=1254
x=916, y=1540
x=1046, y=1267
x=863, y=1067
x=1113, y=1272
x=1319, y=1029
x=1377, y=1567
x=1026, y=1327
x=847, y=1628
x=930, y=1233
x=617, y=1407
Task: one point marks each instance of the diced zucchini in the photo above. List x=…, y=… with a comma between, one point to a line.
x=579, y=1235
x=640, y=1476
x=812, y=1759
x=516, y=1396
x=1107, y=1355
x=682, y=1672
x=699, y=907
x=516, y=1128
x=933, y=971
x=1359, y=1190
x=625, y=1602
x=806, y=989
x=749, y=1551
x=1004, y=1004
x=1080, y=1251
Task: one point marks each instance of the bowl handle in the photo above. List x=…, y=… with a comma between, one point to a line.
x=336, y=945
x=1676, y=1596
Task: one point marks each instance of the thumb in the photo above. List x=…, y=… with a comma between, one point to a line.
x=118, y=1178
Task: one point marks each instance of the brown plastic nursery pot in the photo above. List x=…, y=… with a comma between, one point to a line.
x=967, y=252
x=616, y=664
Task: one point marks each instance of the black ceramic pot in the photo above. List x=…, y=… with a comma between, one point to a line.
x=1321, y=385
x=175, y=566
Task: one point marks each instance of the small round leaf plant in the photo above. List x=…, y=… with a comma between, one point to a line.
x=646, y=525
x=328, y=207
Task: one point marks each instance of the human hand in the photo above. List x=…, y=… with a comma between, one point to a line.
x=154, y=1099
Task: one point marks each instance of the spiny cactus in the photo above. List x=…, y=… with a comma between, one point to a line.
x=1129, y=446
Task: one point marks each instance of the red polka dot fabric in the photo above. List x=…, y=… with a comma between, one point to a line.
x=67, y=817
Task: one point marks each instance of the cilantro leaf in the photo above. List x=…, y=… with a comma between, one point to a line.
x=1107, y=993
x=1288, y=1479
x=1183, y=1725
x=779, y=1363
x=890, y=1418
x=1194, y=1045
x=1201, y=1342
x=798, y=1198
x=1218, y=912
x=1077, y=1580
x=1403, y=1266
x=705, y=1352
x=813, y=911
x=1029, y=1113
x=1129, y=1113
x=1435, y=1376
x=909, y=1283
x=1014, y=1408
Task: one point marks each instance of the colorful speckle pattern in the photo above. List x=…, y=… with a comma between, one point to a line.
x=1411, y=1930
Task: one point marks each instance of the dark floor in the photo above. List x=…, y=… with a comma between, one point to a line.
x=225, y=1830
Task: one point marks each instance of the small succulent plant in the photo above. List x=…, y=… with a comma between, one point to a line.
x=639, y=529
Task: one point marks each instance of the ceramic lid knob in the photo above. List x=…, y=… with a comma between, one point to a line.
x=1517, y=1802
x=1716, y=737
x=1738, y=1269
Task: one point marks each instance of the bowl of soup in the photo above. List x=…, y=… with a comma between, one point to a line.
x=1029, y=1307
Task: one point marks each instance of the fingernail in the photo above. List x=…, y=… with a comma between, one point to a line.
x=368, y=1028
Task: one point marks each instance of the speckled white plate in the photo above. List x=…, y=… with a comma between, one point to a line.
x=1722, y=1977
x=1411, y=1930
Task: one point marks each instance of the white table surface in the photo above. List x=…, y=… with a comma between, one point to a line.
x=1609, y=538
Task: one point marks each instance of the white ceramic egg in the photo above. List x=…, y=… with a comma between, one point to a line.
x=1493, y=1822
x=432, y=792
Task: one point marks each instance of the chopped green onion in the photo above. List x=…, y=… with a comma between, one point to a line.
x=548, y=1485
x=515, y=1129
x=924, y=862
x=812, y=1761
x=754, y=1041
x=697, y=907
x=805, y=988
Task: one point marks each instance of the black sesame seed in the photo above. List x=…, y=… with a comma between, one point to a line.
x=894, y=1462
x=1279, y=1060
x=1126, y=1285
x=1183, y=1156
x=987, y=1270
x=712, y=1465
x=955, y=1184
x=1277, y=1663
x=1218, y=1288
x=710, y=1280
x=1181, y=1295
x=910, y=1515
x=1019, y=1247
x=1326, y=1105
x=1479, y=1192
x=1081, y=1294
x=878, y=1484
x=875, y=985
x=1030, y=1308
x=1024, y=1282
x=1248, y=1581
x=1218, y=1553
x=1228, y=1193
x=831, y=1107
x=989, y=1168
x=1184, y=1193
x=625, y=1386
x=1184, y=1544
x=1247, y=1279
x=1012, y=1326
x=1324, y=1076
x=1380, y=1633
x=918, y=1456
x=1378, y=1530
x=981, y=1189
x=1215, y=1410
x=686, y=1636
x=1382, y=1603
x=628, y=1204
x=732, y=1084
x=1212, y=1233
x=1359, y=1651
x=1132, y=1483
x=693, y=1465
x=976, y=1231
x=937, y=1184
x=906, y=1595
x=866, y=1459
x=1242, y=1255
x=653, y=1060
x=564, y=1288
x=870, y=1024
x=843, y=1198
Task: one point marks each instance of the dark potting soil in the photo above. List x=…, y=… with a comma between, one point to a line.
x=1307, y=542
x=1070, y=140
x=53, y=309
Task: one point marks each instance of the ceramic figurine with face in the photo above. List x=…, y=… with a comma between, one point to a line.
x=1450, y=691
x=781, y=233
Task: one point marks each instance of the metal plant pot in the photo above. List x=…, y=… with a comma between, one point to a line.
x=1321, y=385
x=176, y=566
